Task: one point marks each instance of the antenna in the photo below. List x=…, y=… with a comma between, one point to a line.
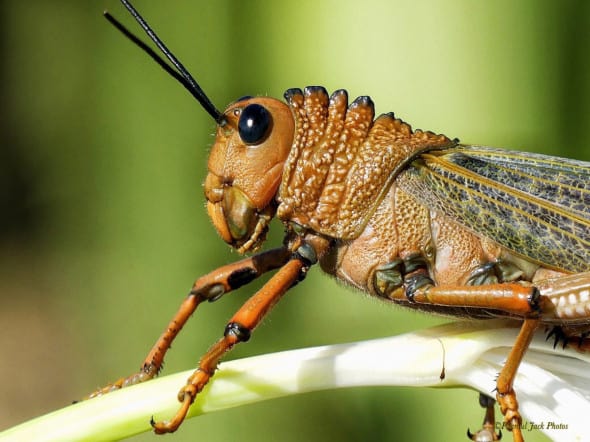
x=179, y=72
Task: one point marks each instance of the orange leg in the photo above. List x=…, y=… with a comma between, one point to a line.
x=511, y=298
x=505, y=394
x=207, y=288
x=237, y=330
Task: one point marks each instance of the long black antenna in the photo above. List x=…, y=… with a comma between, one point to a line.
x=181, y=73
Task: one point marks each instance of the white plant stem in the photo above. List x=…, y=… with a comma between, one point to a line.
x=553, y=385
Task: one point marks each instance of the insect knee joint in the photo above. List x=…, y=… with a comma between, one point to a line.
x=241, y=333
x=307, y=254
x=414, y=283
x=535, y=301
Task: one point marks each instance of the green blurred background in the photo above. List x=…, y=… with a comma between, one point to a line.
x=102, y=220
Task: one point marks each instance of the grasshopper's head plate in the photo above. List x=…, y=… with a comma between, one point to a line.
x=245, y=166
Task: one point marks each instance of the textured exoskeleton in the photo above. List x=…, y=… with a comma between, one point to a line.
x=405, y=215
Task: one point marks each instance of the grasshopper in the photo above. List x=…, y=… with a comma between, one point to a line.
x=409, y=216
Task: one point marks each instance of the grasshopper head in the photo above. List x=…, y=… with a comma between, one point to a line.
x=253, y=140
x=245, y=166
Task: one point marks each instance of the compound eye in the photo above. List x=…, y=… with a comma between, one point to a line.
x=254, y=123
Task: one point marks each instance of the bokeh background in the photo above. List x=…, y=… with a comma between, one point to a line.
x=102, y=156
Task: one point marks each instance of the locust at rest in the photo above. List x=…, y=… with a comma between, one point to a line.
x=409, y=216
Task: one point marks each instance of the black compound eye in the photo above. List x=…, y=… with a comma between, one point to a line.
x=254, y=123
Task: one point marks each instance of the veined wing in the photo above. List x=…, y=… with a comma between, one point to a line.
x=538, y=206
